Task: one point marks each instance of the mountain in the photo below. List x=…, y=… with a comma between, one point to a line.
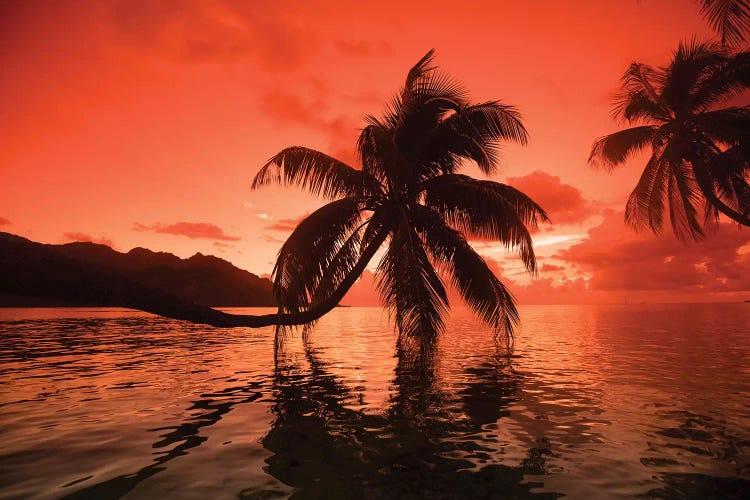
x=83, y=274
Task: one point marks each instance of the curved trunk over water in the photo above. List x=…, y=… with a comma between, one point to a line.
x=31, y=272
x=212, y=317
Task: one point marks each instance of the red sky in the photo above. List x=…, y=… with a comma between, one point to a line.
x=142, y=123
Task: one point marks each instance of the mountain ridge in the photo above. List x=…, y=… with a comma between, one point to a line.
x=204, y=280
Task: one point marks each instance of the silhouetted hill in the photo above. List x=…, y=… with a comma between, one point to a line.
x=32, y=274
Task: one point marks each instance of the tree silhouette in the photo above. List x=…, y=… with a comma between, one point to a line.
x=699, y=149
x=409, y=194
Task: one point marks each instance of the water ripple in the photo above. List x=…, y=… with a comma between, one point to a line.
x=615, y=401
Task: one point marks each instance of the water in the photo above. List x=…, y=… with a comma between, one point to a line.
x=596, y=401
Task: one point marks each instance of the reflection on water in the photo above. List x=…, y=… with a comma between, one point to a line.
x=624, y=400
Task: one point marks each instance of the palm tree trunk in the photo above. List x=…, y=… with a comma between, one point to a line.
x=172, y=307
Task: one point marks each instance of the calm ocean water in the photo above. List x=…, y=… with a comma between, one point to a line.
x=594, y=402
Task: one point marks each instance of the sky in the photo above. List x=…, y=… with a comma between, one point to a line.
x=141, y=123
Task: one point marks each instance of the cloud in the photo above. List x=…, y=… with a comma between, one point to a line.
x=193, y=230
x=87, y=238
x=616, y=259
x=221, y=31
x=4, y=221
x=287, y=108
x=563, y=203
x=287, y=225
x=264, y=216
x=550, y=268
x=271, y=239
x=221, y=246
x=284, y=47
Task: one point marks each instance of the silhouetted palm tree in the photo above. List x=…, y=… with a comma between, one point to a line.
x=699, y=150
x=409, y=194
x=729, y=18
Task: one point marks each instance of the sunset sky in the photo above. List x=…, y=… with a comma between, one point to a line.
x=142, y=123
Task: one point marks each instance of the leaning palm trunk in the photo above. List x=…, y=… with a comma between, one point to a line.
x=177, y=309
x=39, y=264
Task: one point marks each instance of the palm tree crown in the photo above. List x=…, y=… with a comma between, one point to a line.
x=699, y=149
x=408, y=193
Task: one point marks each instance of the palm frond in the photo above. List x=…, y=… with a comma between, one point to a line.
x=313, y=170
x=473, y=132
x=490, y=121
x=640, y=97
x=731, y=171
x=722, y=178
x=380, y=157
x=689, y=66
x=637, y=106
x=309, y=251
x=644, y=78
x=425, y=82
x=479, y=287
x=724, y=79
x=683, y=195
x=729, y=18
x=360, y=242
x=447, y=150
x=410, y=286
x=339, y=266
x=614, y=149
x=487, y=209
x=724, y=126
x=646, y=204
x=420, y=69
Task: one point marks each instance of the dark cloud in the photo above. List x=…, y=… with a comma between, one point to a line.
x=193, y=230
x=4, y=221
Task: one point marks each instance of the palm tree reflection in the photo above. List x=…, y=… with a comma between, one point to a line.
x=427, y=442
x=703, y=444
x=418, y=447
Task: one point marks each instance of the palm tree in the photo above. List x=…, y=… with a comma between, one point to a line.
x=729, y=18
x=699, y=145
x=408, y=194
